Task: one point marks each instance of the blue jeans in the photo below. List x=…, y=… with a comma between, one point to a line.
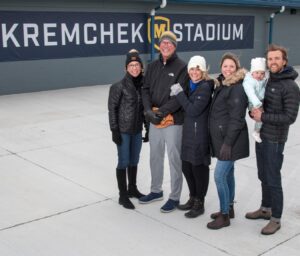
x=224, y=179
x=129, y=150
x=269, y=157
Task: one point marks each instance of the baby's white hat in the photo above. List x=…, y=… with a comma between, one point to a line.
x=197, y=61
x=258, y=64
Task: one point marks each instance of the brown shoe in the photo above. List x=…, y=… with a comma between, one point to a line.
x=271, y=228
x=231, y=213
x=259, y=214
x=220, y=222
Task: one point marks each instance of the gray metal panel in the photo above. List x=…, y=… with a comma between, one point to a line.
x=286, y=33
x=259, y=3
x=27, y=76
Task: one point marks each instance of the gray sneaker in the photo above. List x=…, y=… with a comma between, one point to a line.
x=271, y=228
x=259, y=214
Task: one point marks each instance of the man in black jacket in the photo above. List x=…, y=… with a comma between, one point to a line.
x=166, y=118
x=280, y=110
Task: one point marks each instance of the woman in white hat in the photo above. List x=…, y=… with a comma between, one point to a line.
x=195, y=153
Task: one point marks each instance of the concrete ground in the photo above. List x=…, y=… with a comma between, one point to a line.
x=59, y=197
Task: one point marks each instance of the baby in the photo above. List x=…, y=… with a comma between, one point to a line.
x=254, y=86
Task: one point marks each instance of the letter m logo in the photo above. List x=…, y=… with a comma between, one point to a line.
x=161, y=24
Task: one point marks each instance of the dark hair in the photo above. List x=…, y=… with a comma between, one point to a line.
x=274, y=47
x=233, y=57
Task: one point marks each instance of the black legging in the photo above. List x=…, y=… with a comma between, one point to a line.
x=197, y=177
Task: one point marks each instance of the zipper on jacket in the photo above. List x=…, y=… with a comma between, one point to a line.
x=137, y=115
x=195, y=128
x=221, y=130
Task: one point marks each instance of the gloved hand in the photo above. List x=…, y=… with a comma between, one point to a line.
x=175, y=89
x=116, y=137
x=146, y=137
x=153, y=117
x=225, y=152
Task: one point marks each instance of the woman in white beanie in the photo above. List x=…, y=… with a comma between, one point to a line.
x=195, y=153
x=254, y=85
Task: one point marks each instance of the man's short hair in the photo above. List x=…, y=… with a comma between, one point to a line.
x=274, y=47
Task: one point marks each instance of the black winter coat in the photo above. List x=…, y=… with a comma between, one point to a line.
x=227, y=122
x=281, y=105
x=195, y=136
x=125, y=106
x=158, y=80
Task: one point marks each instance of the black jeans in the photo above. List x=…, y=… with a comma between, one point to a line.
x=269, y=157
x=197, y=178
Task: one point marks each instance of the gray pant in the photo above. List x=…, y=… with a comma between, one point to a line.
x=158, y=138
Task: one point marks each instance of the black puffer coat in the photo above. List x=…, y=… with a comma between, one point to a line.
x=125, y=105
x=281, y=105
x=195, y=137
x=227, y=122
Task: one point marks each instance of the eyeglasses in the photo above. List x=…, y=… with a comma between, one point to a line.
x=166, y=42
x=137, y=65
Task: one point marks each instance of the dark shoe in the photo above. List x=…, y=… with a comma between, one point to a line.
x=169, y=206
x=231, y=213
x=124, y=200
x=188, y=205
x=271, y=228
x=259, y=214
x=134, y=192
x=197, y=209
x=151, y=198
x=122, y=184
x=132, y=188
x=220, y=222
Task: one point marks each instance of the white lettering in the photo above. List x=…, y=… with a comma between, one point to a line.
x=224, y=37
x=53, y=34
x=120, y=33
x=189, y=26
x=210, y=32
x=199, y=33
x=85, y=33
x=9, y=35
x=48, y=34
x=176, y=29
x=33, y=36
x=136, y=32
x=70, y=36
x=238, y=33
x=109, y=33
x=218, y=32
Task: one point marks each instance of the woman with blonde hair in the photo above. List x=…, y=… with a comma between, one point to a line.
x=195, y=154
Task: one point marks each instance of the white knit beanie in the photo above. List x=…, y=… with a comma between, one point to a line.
x=258, y=64
x=197, y=62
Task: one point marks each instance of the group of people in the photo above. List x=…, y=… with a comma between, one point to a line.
x=196, y=117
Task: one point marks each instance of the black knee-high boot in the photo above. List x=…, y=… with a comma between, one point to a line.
x=132, y=188
x=122, y=184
